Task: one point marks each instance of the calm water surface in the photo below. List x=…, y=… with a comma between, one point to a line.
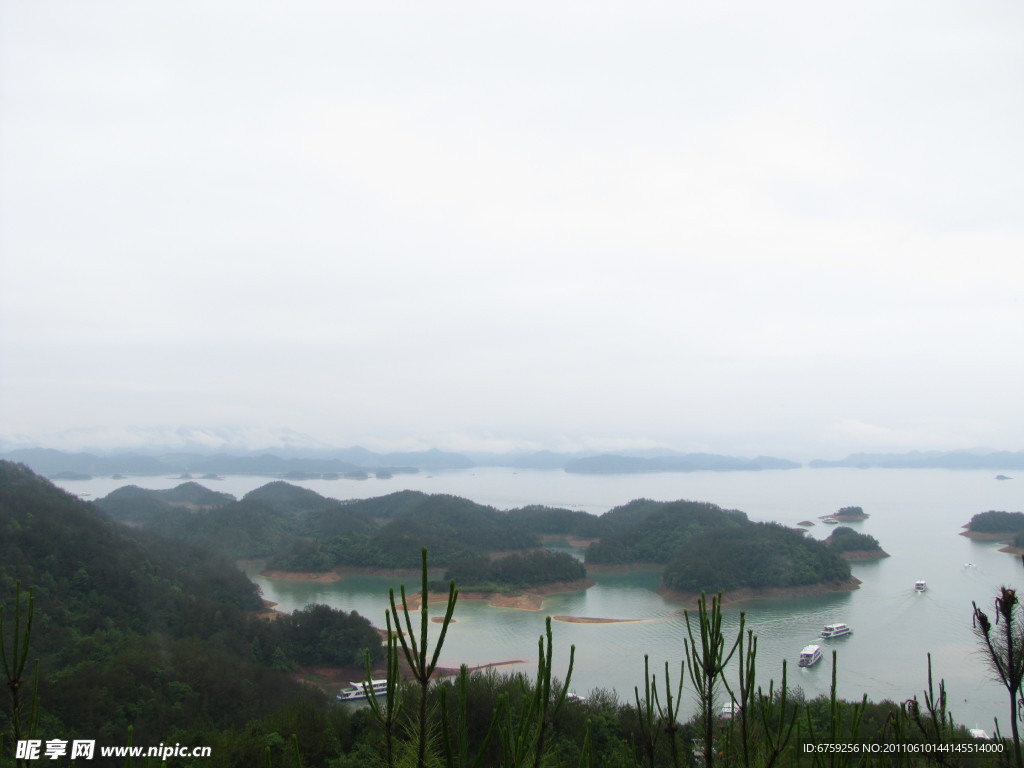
x=915, y=514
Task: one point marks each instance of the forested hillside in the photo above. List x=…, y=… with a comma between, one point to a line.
x=706, y=548
x=296, y=529
x=163, y=637
x=653, y=531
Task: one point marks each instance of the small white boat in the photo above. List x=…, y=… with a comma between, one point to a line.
x=920, y=586
x=836, y=630
x=809, y=656
x=829, y=521
x=360, y=691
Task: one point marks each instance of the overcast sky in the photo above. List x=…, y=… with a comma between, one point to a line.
x=788, y=228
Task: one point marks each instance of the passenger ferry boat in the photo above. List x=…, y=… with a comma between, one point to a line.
x=835, y=630
x=809, y=656
x=360, y=691
x=920, y=586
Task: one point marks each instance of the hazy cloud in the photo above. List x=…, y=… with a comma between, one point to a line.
x=761, y=229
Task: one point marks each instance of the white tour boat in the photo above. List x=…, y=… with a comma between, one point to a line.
x=920, y=586
x=836, y=630
x=360, y=691
x=809, y=656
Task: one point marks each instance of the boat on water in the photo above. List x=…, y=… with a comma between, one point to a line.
x=809, y=656
x=835, y=630
x=360, y=691
x=729, y=710
x=829, y=521
x=920, y=586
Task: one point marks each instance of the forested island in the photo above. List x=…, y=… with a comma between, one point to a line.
x=997, y=525
x=697, y=546
x=848, y=514
x=701, y=547
x=853, y=545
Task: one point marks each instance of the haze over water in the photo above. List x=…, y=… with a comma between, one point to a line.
x=915, y=514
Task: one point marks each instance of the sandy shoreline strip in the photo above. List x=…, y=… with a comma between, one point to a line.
x=590, y=620
x=531, y=599
x=745, y=595
x=997, y=536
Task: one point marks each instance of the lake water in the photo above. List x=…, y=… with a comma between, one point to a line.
x=915, y=514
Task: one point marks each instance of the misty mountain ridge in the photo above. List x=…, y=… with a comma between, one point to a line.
x=974, y=458
x=195, y=452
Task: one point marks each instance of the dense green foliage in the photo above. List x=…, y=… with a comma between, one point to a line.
x=997, y=522
x=552, y=521
x=299, y=530
x=654, y=531
x=135, y=504
x=755, y=555
x=162, y=635
x=451, y=527
x=319, y=634
x=263, y=523
x=706, y=548
x=517, y=570
x=844, y=539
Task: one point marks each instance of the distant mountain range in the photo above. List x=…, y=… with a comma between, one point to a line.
x=979, y=458
x=612, y=463
x=360, y=462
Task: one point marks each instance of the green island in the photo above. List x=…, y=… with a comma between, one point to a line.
x=998, y=525
x=697, y=546
x=995, y=524
x=173, y=645
x=701, y=547
x=849, y=514
x=853, y=545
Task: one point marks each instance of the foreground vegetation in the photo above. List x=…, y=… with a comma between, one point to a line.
x=140, y=638
x=489, y=719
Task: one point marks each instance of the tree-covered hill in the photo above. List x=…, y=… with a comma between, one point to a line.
x=995, y=521
x=707, y=548
x=134, y=504
x=298, y=529
x=157, y=635
x=556, y=521
x=452, y=528
x=754, y=556
x=390, y=506
x=653, y=531
x=292, y=499
x=843, y=540
x=264, y=523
